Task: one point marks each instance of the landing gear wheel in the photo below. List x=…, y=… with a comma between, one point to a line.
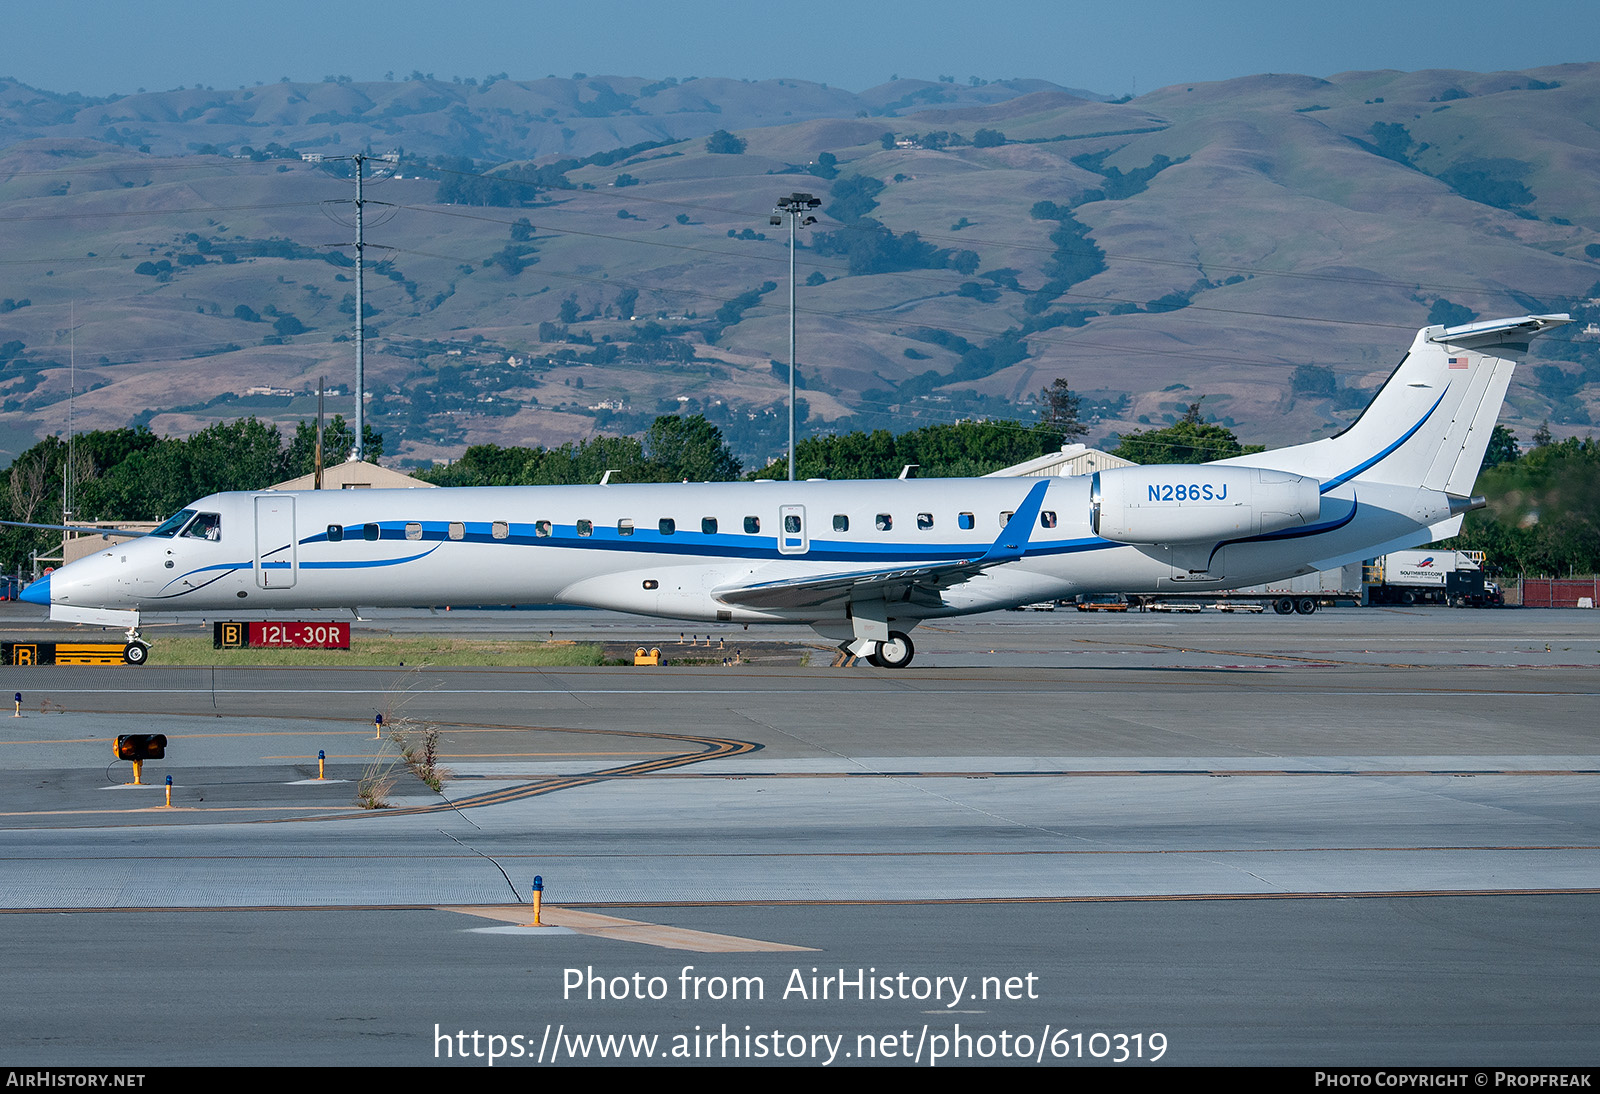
x=874, y=660
x=135, y=653
x=1283, y=606
x=1305, y=605
x=895, y=653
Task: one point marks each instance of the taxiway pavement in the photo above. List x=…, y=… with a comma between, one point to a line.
x=1166, y=819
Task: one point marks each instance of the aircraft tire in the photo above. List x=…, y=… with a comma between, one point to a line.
x=1283, y=606
x=135, y=653
x=1305, y=605
x=897, y=652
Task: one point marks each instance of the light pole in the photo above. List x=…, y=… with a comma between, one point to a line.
x=797, y=207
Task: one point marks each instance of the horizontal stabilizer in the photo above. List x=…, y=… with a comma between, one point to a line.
x=1429, y=424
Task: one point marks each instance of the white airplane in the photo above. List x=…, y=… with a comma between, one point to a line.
x=861, y=562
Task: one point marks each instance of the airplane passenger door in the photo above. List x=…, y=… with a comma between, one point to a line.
x=792, y=536
x=277, y=561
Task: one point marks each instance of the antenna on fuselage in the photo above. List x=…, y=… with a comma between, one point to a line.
x=605, y=480
x=905, y=472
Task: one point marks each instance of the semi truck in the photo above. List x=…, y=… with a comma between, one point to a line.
x=1400, y=577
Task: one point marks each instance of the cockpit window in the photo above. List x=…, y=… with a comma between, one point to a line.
x=170, y=527
x=207, y=526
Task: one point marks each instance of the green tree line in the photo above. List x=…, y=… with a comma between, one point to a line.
x=133, y=475
x=1543, y=514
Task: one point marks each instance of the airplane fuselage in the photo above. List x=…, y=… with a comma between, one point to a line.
x=861, y=562
x=667, y=550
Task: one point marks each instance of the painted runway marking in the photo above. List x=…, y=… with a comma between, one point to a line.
x=627, y=930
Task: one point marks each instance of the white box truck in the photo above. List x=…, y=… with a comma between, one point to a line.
x=1430, y=577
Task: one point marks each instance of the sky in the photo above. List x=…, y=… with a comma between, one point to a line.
x=104, y=47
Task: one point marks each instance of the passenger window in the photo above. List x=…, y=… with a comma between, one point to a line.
x=1005, y=518
x=413, y=530
x=791, y=524
x=965, y=522
x=624, y=527
x=335, y=533
x=458, y=530
x=500, y=530
x=708, y=526
x=667, y=526
x=924, y=521
x=369, y=532
x=1047, y=518
x=586, y=527
x=841, y=523
x=541, y=528
x=207, y=526
x=752, y=525
x=885, y=522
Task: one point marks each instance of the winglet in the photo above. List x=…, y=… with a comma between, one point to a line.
x=1012, y=543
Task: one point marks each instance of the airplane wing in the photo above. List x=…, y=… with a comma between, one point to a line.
x=890, y=583
x=74, y=528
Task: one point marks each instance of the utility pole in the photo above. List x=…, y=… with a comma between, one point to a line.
x=796, y=207
x=361, y=315
x=317, y=468
x=360, y=159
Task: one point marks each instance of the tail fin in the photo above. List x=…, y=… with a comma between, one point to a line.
x=1429, y=424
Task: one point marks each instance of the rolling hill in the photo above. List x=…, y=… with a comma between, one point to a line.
x=1264, y=245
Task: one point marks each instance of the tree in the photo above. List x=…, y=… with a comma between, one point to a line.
x=939, y=451
x=1502, y=448
x=988, y=138
x=724, y=143
x=159, y=479
x=338, y=441
x=1444, y=313
x=1060, y=409
x=1315, y=380
x=1543, y=514
x=873, y=249
x=689, y=448
x=1191, y=439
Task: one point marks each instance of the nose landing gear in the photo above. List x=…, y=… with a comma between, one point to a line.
x=135, y=650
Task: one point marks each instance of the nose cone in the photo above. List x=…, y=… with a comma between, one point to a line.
x=38, y=592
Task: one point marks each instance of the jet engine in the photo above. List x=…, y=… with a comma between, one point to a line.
x=1198, y=503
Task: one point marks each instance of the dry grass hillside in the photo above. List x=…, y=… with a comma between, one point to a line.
x=1228, y=234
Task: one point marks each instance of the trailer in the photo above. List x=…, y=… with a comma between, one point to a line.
x=1302, y=594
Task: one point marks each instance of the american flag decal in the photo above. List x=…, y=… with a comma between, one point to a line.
x=1458, y=362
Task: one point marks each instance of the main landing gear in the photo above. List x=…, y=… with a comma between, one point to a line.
x=893, y=654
